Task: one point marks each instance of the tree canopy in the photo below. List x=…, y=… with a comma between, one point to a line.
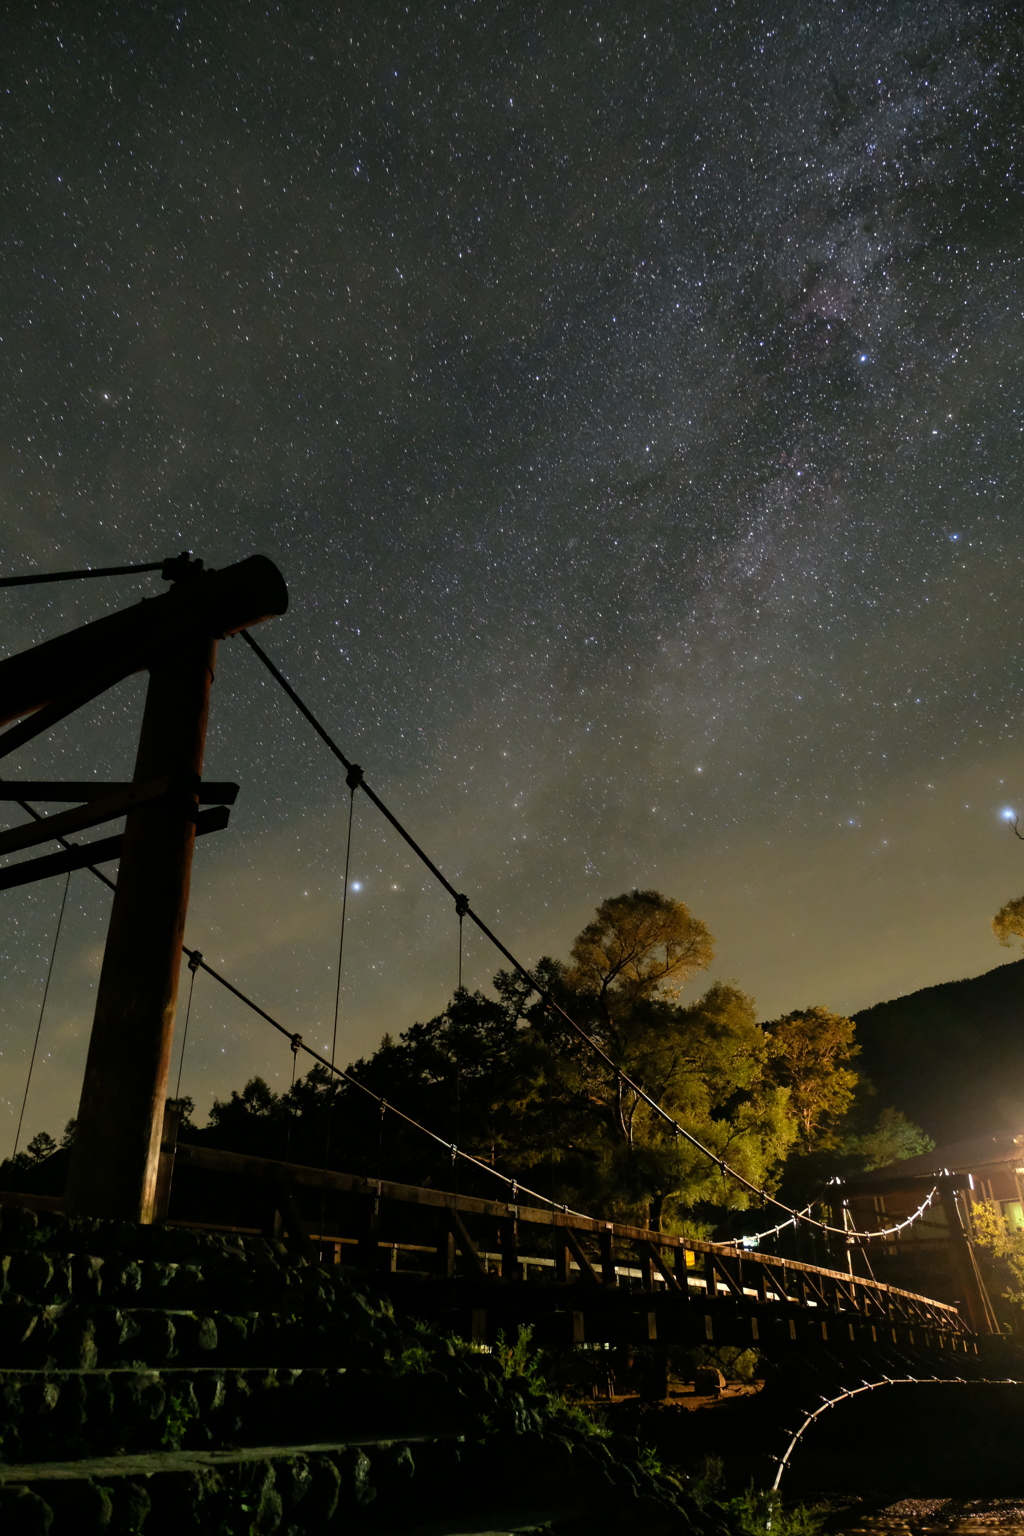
x=639, y=945
x=1008, y=923
x=808, y=1050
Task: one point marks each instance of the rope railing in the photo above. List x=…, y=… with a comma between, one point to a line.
x=355, y=778
x=751, y=1239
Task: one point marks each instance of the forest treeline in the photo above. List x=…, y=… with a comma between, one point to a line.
x=502, y=1078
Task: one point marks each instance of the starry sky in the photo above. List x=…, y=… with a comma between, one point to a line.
x=632, y=397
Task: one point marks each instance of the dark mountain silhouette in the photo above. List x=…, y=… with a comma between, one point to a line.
x=951, y=1057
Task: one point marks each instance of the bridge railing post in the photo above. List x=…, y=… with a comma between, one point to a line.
x=561, y=1255
x=173, y=1110
x=604, y=1242
x=508, y=1242
x=368, y=1249
x=679, y=1264
x=446, y=1246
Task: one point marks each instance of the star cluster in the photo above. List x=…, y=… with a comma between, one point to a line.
x=632, y=399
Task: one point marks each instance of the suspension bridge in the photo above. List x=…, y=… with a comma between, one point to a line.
x=479, y=1266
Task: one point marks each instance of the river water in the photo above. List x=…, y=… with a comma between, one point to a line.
x=948, y=1516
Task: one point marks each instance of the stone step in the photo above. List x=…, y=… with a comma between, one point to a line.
x=307, y=1488
x=51, y=1415
x=68, y=1336
x=42, y=1275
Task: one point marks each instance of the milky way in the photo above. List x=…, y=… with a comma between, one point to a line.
x=632, y=399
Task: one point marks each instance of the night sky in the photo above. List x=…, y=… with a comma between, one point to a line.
x=632, y=397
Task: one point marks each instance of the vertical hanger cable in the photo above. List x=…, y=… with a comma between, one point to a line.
x=354, y=776
x=42, y=1010
x=194, y=961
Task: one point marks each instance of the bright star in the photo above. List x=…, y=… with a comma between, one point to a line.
x=1008, y=814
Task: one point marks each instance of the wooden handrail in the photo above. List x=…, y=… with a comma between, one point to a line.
x=244, y=1165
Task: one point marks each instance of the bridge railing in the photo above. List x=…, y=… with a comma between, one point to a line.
x=408, y=1233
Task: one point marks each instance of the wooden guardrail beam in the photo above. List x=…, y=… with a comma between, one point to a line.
x=785, y=1276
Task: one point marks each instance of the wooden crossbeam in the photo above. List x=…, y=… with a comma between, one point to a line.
x=106, y=808
x=102, y=851
x=211, y=791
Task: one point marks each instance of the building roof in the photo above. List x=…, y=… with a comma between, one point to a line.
x=972, y=1155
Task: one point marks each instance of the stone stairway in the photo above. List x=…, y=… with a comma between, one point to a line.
x=168, y=1380
x=163, y=1379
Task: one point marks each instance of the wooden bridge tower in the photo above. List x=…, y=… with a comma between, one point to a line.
x=174, y=637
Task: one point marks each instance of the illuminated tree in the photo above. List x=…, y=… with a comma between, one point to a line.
x=640, y=945
x=1008, y=923
x=809, y=1048
x=705, y=1063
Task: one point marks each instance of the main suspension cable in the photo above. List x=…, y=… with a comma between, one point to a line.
x=516, y=1185
x=108, y=570
x=465, y=908
x=169, y=569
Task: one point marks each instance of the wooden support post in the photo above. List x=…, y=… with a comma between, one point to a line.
x=368, y=1247
x=508, y=1239
x=445, y=1247
x=297, y=1237
x=561, y=1255
x=272, y=1223
x=165, y=1168
x=973, y=1296
x=654, y=1379
x=116, y=1151
x=604, y=1240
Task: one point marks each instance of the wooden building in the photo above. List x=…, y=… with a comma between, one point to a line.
x=939, y=1252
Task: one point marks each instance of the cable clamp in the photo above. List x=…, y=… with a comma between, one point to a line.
x=383, y=1108
x=514, y=1188
x=181, y=567
x=354, y=777
x=461, y=906
x=195, y=960
x=296, y=1044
